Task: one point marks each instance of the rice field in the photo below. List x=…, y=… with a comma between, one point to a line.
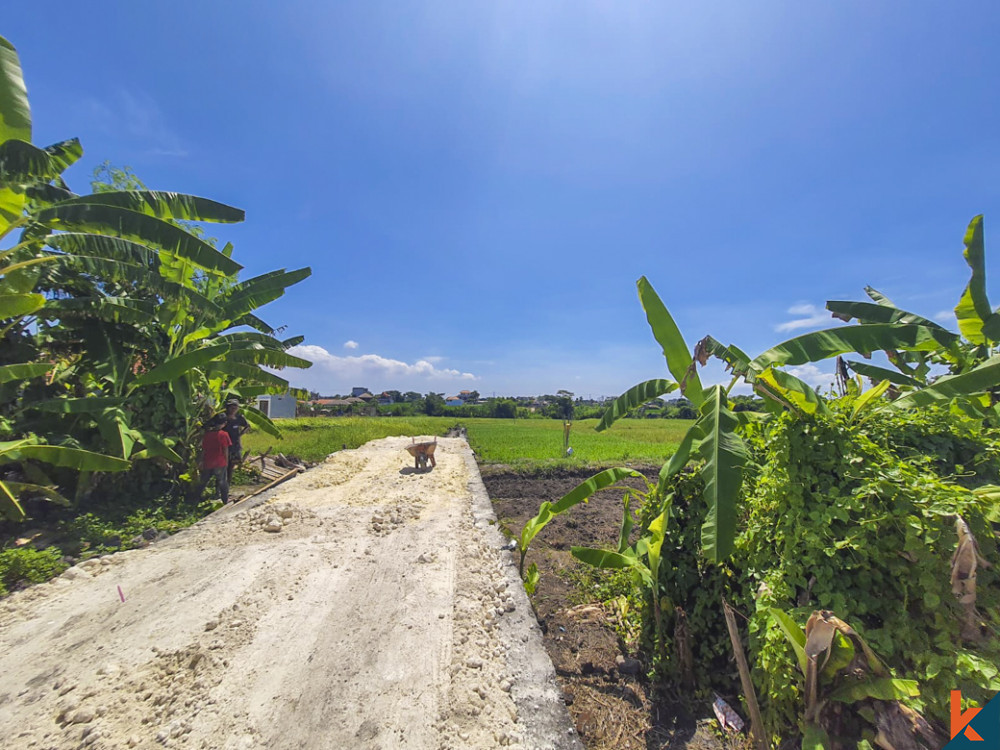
x=521, y=443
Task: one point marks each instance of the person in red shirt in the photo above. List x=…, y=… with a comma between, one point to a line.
x=215, y=457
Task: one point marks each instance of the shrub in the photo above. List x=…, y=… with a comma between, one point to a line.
x=28, y=565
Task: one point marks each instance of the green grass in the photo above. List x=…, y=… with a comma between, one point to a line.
x=521, y=443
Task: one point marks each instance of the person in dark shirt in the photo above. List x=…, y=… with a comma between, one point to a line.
x=215, y=457
x=236, y=425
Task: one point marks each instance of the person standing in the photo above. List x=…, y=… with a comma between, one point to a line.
x=215, y=457
x=235, y=427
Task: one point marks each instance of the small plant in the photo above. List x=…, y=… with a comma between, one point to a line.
x=28, y=565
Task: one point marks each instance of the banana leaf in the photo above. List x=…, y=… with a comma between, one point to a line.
x=869, y=313
x=634, y=397
x=68, y=458
x=16, y=305
x=973, y=307
x=261, y=421
x=675, y=351
x=724, y=454
x=881, y=373
x=26, y=371
x=819, y=345
x=164, y=205
x=178, y=366
x=15, y=114
x=119, y=222
x=977, y=380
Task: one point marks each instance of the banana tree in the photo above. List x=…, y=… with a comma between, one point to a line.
x=122, y=299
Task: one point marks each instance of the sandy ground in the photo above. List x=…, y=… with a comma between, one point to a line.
x=382, y=614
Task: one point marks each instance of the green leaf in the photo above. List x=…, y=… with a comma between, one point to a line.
x=796, y=636
x=679, y=459
x=15, y=114
x=178, y=366
x=675, y=351
x=85, y=405
x=8, y=502
x=944, y=389
x=634, y=397
x=582, y=492
x=602, y=558
x=16, y=305
x=261, y=421
x=270, y=357
x=735, y=358
x=252, y=374
x=790, y=391
x=155, y=447
x=108, y=309
x=973, y=307
x=880, y=298
x=258, y=291
x=164, y=205
x=25, y=488
x=10, y=373
x=881, y=373
x=819, y=345
x=130, y=225
x=814, y=737
x=724, y=454
x=879, y=688
x=868, y=313
x=531, y=579
x=627, y=523
x=865, y=400
x=70, y=458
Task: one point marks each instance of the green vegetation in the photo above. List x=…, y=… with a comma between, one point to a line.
x=28, y=565
x=122, y=327
x=523, y=444
x=849, y=507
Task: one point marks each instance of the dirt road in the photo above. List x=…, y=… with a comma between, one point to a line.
x=382, y=614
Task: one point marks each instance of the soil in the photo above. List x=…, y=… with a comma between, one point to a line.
x=362, y=604
x=610, y=709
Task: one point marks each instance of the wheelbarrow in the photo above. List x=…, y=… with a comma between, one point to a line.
x=422, y=453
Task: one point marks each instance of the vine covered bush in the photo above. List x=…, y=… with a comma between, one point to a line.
x=860, y=520
x=854, y=518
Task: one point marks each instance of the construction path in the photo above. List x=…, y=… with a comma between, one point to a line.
x=382, y=614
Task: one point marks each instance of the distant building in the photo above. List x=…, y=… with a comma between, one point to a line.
x=277, y=407
x=357, y=390
x=454, y=401
x=385, y=399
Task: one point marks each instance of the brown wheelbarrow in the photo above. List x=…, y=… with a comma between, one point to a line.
x=422, y=453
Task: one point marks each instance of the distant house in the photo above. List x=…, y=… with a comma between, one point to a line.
x=277, y=407
x=454, y=401
x=385, y=399
x=357, y=390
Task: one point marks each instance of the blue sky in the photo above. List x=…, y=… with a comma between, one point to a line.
x=478, y=185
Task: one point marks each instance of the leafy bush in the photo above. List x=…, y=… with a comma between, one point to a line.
x=28, y=565
x=854, y=518
x=859, y=520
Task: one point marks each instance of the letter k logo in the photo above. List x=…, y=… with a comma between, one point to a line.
x=960, y=721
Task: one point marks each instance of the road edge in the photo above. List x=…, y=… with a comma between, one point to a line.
x=541, y=712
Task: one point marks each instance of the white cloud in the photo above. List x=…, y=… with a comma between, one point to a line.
x=351, y=344
x=945, y=316
x=333, y=373
x=814, y=318
x=136, y=116
x=432, y=360
x=811, y=374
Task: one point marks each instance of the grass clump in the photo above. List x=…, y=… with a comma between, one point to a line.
x=23, y=565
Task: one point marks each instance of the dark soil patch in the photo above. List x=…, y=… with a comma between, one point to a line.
x=611, y=709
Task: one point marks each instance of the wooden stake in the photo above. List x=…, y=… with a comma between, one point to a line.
x=756, y=722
